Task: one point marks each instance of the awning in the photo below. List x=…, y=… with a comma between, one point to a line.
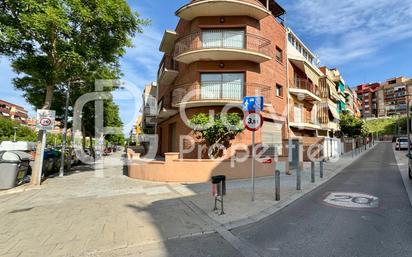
x=332, y=89
x=334, y=111
x=305, y=66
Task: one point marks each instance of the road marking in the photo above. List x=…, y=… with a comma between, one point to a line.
x=352, y=200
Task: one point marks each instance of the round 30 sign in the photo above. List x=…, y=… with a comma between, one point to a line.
x=253, y=121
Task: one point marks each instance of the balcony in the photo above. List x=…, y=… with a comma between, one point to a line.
x=168, y=71
x=223, y=45
x=305, y=123
x=216, y=93
x=200, y=8
x=165, y=109
x=305, y=90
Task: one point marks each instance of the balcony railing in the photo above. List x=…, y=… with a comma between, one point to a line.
x=222, y=8
x=223, y=39
x=218, y=91
x=167, y=63
x=305, y=84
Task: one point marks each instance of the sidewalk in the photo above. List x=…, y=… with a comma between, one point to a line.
x=83, y=214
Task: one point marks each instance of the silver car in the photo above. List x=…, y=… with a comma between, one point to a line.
x=401, y=143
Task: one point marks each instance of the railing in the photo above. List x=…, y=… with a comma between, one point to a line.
x=167, y=63
x=217, y=90
x=306, y=85
x=226, y=39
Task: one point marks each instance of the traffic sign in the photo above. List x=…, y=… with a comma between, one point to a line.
x=253, y=121
x=45, y=119
x=253, y=103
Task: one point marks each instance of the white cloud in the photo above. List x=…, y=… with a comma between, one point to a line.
x=353, y=29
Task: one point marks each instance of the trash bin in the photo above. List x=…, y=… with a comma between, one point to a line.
x=219, y=185
x=13, y=167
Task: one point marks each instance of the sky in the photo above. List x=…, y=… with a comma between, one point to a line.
x=368, y=41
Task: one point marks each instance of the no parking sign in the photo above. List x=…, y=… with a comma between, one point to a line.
x=45, y=119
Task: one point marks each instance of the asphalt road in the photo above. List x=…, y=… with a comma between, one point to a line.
x=312, y=227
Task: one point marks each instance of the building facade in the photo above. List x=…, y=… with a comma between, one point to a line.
x=304, y=92
x=220, y=52
x=393, y=96
x=13, y=111
x=371, y=98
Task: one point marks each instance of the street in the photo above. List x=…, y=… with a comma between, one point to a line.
x=310, y=227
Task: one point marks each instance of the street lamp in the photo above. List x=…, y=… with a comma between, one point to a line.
x=14, y=137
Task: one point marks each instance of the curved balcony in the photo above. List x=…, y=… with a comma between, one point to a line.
x=213, y=93
x=222, y=45
x=199, y=8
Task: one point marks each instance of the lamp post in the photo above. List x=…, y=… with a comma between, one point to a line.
x=15, y=136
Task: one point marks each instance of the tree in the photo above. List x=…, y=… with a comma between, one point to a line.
x=23, y=133
x=53, y=42
x=223, y=129
x=352, y=126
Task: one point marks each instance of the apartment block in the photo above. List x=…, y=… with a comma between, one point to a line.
x=371, y=99
x=13, y=111
x=304, y=93
x=149, y=109
x=330, y=109
x=393, y=96
x=220, y=52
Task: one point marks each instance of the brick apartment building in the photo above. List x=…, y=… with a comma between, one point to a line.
x=384, y=99
x=222, y=51
x=368, y=94
x=13, y=111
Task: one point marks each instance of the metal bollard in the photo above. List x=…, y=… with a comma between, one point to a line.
x=277, y=185
x=353, y=153
x=312, y=172
x=298, y=178
x=321, y=169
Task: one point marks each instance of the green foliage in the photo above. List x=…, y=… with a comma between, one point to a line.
x=51, y=42
x=23, y=133
x=221, y=130
x=352, y=126
x=387, y=126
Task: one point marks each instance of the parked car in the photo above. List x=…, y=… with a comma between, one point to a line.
x=401, y=143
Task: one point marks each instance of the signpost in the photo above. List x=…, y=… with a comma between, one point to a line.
x=253, y=121
x=44, y=121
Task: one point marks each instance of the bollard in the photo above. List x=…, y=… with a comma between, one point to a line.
x=218, y=191
x=312, y=172
x=277, y=185
x=298, y=178
x=321, y=169
x=353, y=153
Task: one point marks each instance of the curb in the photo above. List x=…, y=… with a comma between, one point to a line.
x=288, y=201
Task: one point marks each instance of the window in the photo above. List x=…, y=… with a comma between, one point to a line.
x=222, y=85
x=272, y=137
x=279, y=54
x=297, y=110
x=223, y=38
x=279, y=90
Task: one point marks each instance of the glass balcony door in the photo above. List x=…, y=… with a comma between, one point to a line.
x=222, y=86
x=223, y=38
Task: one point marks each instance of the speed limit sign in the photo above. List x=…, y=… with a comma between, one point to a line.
x=253, y=121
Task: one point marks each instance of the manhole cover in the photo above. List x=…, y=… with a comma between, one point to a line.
x=352, y=200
